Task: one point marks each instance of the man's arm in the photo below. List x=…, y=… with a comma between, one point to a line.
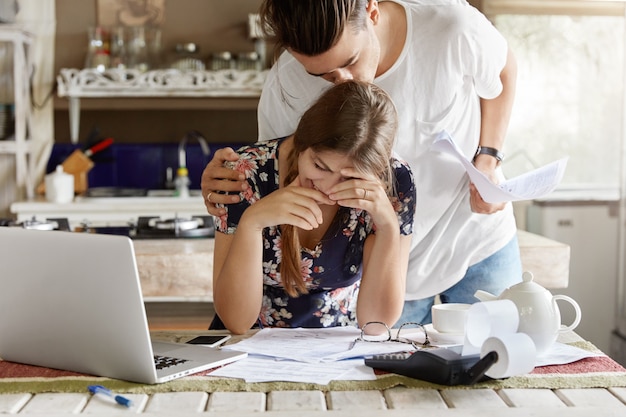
x=495, y=116
x=216, y=178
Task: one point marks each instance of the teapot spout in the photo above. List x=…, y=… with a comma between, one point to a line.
x=484, y=296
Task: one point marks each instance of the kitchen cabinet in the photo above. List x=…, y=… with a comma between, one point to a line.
x=22, y=145
x=156, y=90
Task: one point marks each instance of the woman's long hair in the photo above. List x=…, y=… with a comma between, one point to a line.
x=355, y=119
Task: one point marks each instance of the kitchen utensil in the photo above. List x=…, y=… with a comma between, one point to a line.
x=79, y=164
x=540, y=317
x=103, y=144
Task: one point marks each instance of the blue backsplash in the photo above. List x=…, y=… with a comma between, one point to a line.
x=138, y=165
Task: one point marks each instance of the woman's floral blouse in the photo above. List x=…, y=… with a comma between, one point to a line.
x=332, y=270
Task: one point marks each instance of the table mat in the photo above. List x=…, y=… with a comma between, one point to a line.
x=594, y=372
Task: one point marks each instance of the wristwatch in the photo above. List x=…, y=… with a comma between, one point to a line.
x=489, y=151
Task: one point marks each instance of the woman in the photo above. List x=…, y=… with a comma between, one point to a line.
x=322, y=235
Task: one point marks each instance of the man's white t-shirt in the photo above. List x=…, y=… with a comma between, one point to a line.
x=452, y=57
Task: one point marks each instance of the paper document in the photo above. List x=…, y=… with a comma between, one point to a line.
x=265, y=369
x=533, y=184
x=308, y=355
x=319, y=356
x=315, y=345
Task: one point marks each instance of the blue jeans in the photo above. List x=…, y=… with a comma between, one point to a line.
x=494, y=275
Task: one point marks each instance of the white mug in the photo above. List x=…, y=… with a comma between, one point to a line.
x=449, y=317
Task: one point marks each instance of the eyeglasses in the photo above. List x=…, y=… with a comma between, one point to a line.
x=376, y=335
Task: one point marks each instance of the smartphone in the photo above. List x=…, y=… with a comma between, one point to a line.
x=213, y=340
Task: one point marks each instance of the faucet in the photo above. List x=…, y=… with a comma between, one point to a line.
x=182, y=147
x=182, y=174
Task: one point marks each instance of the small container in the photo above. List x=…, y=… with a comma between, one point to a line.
x=222, y=60
x=187, y=58
x=249, y=61
x=182, y=182
x=59, y=186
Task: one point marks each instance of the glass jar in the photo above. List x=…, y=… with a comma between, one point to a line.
x=138, y=49
x=118, y=55
x=97, y=48
x=155, y=47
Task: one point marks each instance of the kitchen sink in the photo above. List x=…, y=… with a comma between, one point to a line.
x=163, y=197
x=171, y=193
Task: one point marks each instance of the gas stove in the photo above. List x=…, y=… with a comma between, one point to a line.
x=145, y=227
x=48, y=224
x=177, y=227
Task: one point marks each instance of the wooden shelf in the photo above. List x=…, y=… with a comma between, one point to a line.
x=161, y=103
x=115, y=89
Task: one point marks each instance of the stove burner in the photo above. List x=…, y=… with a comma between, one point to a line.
x=175, y=224
x=34, y=224
x=39, y=225
x=144, y=228
x=157, y=228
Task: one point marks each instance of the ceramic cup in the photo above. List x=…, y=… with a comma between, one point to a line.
x=449, y=317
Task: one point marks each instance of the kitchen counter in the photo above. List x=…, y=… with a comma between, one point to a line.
x=182, y=269
x=175, y=269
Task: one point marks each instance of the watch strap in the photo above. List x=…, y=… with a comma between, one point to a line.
x=485, y=150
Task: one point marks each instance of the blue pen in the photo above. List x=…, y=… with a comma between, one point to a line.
x=100, y=390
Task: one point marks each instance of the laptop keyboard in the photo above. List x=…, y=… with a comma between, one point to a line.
x=162, y=362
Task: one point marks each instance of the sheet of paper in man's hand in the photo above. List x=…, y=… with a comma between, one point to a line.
x=533, y=184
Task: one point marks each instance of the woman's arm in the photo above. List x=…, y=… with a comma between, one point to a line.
x=238, y=258
x=237, y=278
x=385, y=252
x=385, y=262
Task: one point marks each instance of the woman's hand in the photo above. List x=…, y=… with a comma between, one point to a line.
x=365, y=192
x=293, y=204
x=217, y=178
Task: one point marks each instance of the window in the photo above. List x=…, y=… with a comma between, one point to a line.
x=570, y=95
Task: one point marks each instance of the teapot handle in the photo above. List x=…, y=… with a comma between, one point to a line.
x=576, y=308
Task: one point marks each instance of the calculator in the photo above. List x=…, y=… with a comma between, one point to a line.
x=442, y=366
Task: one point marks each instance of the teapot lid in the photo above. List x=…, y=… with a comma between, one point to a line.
x=527, y=284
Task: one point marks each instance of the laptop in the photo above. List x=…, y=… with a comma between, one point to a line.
x=73, y=301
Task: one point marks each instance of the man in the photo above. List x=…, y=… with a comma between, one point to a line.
x=446, y=68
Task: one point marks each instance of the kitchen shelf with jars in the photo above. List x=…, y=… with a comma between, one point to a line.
x=226, y=89
x=15, y=108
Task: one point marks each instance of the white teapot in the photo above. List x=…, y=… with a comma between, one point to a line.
x=539, y=313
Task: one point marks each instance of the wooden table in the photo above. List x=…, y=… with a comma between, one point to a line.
x=393, y=402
